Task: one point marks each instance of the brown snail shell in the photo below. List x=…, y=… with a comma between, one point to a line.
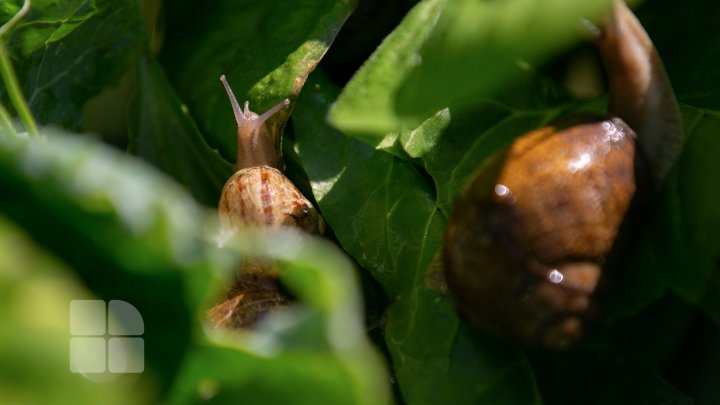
x=258, y=195
x=252, y=295
x=263, y=196
x=528, y=242
x=541, y=229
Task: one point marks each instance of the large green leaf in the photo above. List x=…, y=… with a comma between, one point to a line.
x=266, y=50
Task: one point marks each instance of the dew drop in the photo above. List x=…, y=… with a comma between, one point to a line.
x=502, y=190
x=555, y=277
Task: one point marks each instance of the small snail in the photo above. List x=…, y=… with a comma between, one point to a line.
x=528, y=243
x=258, y=195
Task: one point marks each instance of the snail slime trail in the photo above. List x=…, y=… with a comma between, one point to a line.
x=258, y=195
x=529, y=241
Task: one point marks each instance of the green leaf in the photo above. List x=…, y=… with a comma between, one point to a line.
x=441, y=55
x=477, y=46
x=395, y=230
x=163, y=133
x=59, y=19
x=685, y=226
x=266, y=50
x=65, y=52
x=35, y=292
x=366, y=106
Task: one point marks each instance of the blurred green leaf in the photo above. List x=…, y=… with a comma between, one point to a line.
x=266, y=50
x=35, y=292
x=115, y=221
x=8, y=9
x=216, y=374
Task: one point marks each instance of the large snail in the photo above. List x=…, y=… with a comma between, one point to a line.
x=529, y=241
x=258, y=195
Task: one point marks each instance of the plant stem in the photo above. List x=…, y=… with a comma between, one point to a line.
x=10, y=79
x=16, y=97
x=5, y=28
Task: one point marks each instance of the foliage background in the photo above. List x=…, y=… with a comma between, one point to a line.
x=399, y=109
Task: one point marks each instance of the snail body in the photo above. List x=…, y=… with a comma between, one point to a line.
x=258, y=195
x=528, y=242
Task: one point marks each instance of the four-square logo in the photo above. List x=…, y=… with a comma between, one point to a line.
x=106, y=338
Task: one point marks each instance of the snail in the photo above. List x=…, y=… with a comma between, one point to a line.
x=530, y=240
x=258, y=195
